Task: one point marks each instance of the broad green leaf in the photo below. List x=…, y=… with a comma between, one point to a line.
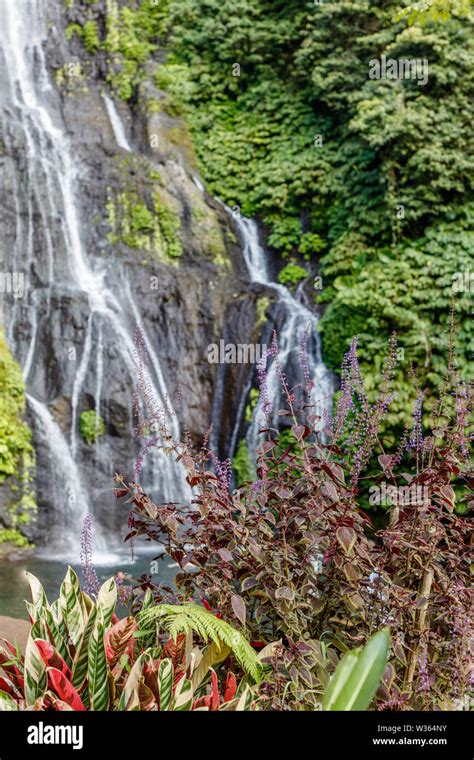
x=358, y=675
x=339, y=679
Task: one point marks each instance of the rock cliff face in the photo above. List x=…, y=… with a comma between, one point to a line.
x=102, y=212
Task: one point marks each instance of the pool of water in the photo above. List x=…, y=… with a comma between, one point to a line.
x=14, y=588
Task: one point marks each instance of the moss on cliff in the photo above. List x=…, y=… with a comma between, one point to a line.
x=16, y=450
x=127, y=33
x=14, y=537
x=92, y=426
x=154, y=229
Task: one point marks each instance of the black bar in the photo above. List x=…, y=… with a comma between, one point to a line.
x=123, y=735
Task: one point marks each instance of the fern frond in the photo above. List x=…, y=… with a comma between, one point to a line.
x=189, y=617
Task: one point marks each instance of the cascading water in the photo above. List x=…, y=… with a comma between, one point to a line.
x=296, y=320
x=116, y=123
x=47, y=216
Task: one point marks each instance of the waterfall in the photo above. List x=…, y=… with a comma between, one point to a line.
x=297, y=319
x=66, y=482
x=116, y=122
x=49, y=186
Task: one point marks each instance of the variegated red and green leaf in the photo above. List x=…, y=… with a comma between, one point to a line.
x=146, y=697
x=214, y=691
x=117, y=639
x=9, y=664
x=63, y=688
x=202, y=703
x=56, y=636
x=230, y=687
x=245, y=701
x=52, y=658
x=176, y=651
x=58, y=704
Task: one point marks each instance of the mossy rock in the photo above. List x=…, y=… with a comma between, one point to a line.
x=17, y=458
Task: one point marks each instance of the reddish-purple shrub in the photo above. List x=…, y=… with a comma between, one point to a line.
x=294, y=558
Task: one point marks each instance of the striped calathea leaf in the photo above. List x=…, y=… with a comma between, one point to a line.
x=118, y=639
x=39, y=601
x=183, y=695
x=34, y=668
x=165, y=683
x=73, y=607
x=81, y=658
x=97, y=672
x=129, y=699
x=107, y=599
x=57, y=635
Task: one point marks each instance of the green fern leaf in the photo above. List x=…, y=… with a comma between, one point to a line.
x=187, y=617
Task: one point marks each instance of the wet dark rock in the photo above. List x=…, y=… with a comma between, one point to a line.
x=199, y=300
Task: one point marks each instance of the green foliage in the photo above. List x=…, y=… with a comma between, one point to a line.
x=13, y=536
x=156, y=230
x=186, y=618
x=357, y=676
x=141, y=218
x=408, y=289
x=16, y=451
x=91, y=426
x=169, y=226
x=374, y=174
x=90, y=34
x=292, y=274
x=132, y=31
x=73, y=29
x=15, y=435
x=244, y=468
x=434, y=10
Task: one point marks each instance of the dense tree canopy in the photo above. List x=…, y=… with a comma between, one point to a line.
x=368, y=178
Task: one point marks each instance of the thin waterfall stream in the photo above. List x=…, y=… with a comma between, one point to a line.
x=298, y=320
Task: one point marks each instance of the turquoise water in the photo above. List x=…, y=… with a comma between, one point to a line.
x=14, y=588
